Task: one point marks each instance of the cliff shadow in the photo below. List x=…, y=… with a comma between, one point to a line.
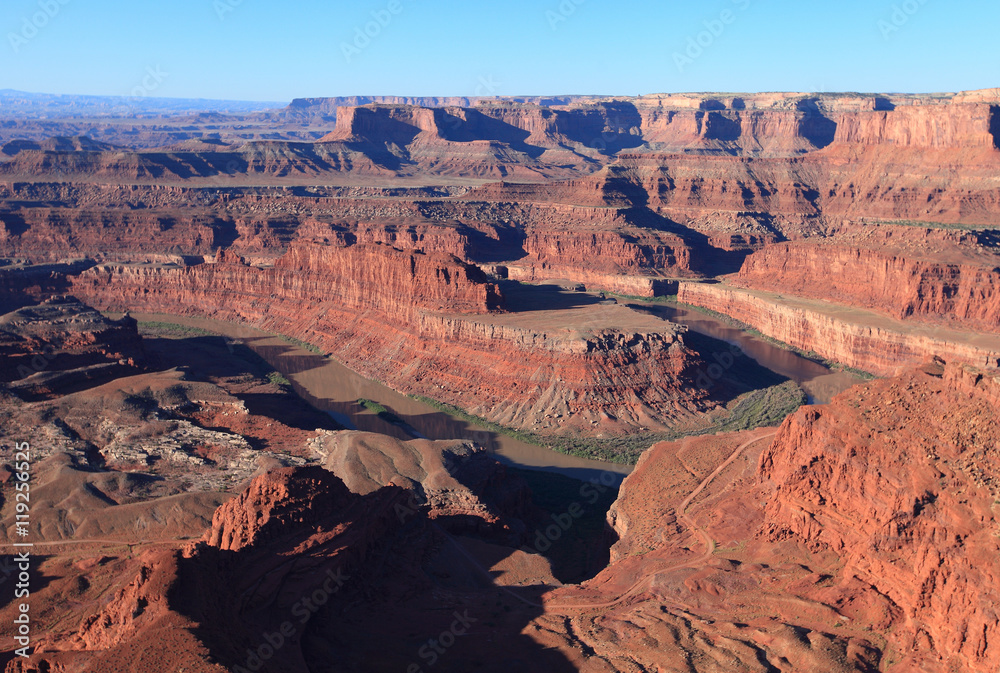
x=224, y=233
x=720, y=126
x=706, y=258
x=525, y=297
x=167, y=163
x=215, y=359
x=22, y=287
x=994, y=128
x=381, y=155
x=815, y=126
x=9, y=572
x=578, y=547
x=479, y=126
x=730, y=370
x=395, y=590
x=608, y=128
x=508, y=245
x=14, y=223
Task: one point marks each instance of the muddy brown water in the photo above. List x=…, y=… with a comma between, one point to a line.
x=332, y=387
x=820, y=382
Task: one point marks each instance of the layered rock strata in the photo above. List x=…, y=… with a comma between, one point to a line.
x=858, y=339
x=395, y=316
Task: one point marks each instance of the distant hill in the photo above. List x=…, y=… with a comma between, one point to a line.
x=23, y=105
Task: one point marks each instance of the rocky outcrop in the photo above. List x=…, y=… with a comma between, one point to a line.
x=871, y=515
x=61, y=343
x=457, y=483
x=295, y=535
x=904, y=493
x=279, y=503
x=860, y=340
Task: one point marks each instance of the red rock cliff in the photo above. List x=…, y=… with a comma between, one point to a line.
x=395, y=317
x=900, y=479
x=916, y=283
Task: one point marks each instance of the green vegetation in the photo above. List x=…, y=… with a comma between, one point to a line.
x=383, y=413
x=141, y=405
x=373, y=407
x=316, y=350
x=277, y=379
x=157, y=328
x=932, y=225
x=762, y=408
x=670, y=299
x=766, y=407
x=160, y=328
x=624, y=450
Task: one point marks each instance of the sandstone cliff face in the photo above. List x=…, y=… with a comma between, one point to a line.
x=742, y=132
x=902, y=284
x=364, y=277
x=385, y=279
x=957, y=126
x=906, y=498
x=826, y=331
x=607, y=252
x=394, y=316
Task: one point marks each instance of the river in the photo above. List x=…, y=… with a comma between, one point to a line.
x=820, y=382
x=332, y=387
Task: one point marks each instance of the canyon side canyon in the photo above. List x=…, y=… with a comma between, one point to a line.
x=778, y=314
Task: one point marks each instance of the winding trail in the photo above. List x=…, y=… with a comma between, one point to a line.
x=682, y=514
x=549, y=607
x=689, y=523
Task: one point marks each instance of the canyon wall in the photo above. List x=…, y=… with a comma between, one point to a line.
x=905, y=284
x=394, y=316
x=899, y=478
x=854, y=342
x=955, y=126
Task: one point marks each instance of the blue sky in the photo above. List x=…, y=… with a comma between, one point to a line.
x=275, y=51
